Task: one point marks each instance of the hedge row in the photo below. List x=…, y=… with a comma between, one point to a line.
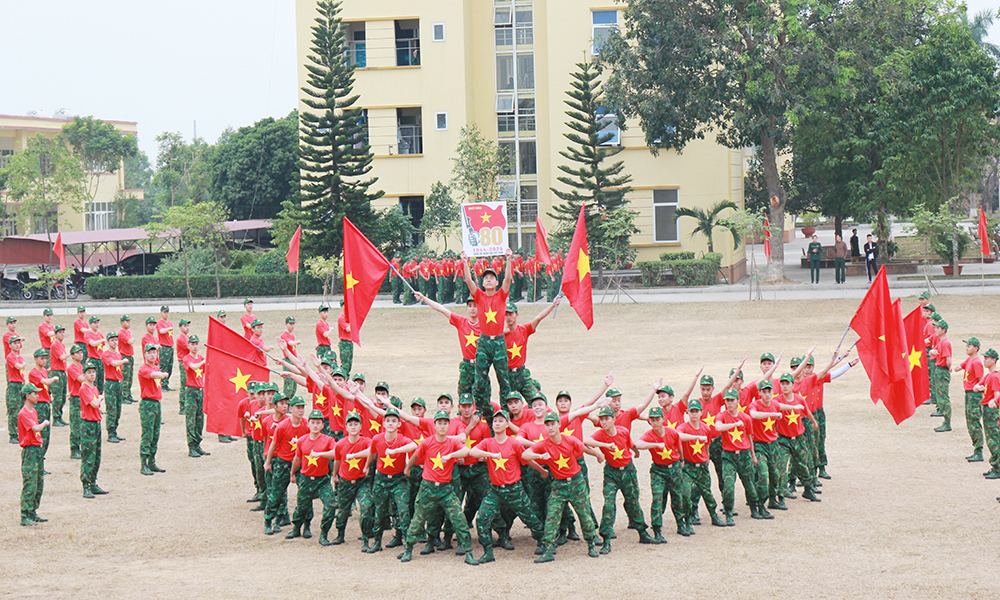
x=686, y=271
x=202, y=286
x=668, y=256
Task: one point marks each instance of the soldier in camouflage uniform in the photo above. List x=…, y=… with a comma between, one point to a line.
x=791, y=455
x=390, y=487
x=351, y=490
x=738, y=458
x=516, y=340
x=313, y=454
x=57, y=391
x=990, y=388
x=113, y=365
x=29, y=432
x=941, y=354
x=468, y=337
x=90, y=431
x=974, y=372
x=696, y=472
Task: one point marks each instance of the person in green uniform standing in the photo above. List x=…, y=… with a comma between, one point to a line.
x=815, y=253
x=29, y=434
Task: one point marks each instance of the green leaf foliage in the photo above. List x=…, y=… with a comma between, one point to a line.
x=202, y=286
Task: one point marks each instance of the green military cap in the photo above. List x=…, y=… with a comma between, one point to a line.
x=11, y=320
x=326, y=360
x=441, y=415
x=247, y=301
x=164, y=308
x=511, y=307
x=77, y=347
x=15, y=338
x=359, y=377
x=765, y=384
x=666, y=389
x=150, y=320
x=277, y=397
x=694, y=405
x=396, y=401
x=707, y=380
x=924, y=295
x=323, y=308
x=656, y=411
x=539, y=396
x=289, y=319
x=41, y=352
x=90, y=363
x=124, y=318
x=489, y=270
x=256, y=322
x=27, y=388
x=184, y=322
x=193, y=339
x=731, y=394
x=448, y=396
x=149, y=347
x=59, y=328
x=501, y=413
x=930, y=307
x=795, y=361
x=271, y=386
x=606, y=411
x=972, y=341
x=767, y=356
x=382, y=386
x=112, y=334
x=221, y=313
x=811, y=360
x=392, y=411
x=316, y=414
x=251, y=387
x=513, y=395
x=611, y=393
x=465, y=398
x=935, y=317
x=470, y=301
x=942, y=324
x=81, y=309
x=738, y=375
x=991, y=353
x=564, y=394
x=337, y=371
x=787, y=377
x=353, y=416
x=94, y=319
x=46, y=312
x=552, y=416
x=418, y=401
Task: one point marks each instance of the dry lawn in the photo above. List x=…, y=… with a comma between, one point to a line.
x=904, y=517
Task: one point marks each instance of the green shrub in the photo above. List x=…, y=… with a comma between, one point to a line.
x=202, y=286
x=677, y=256
x=272, y=263
x=652, y=272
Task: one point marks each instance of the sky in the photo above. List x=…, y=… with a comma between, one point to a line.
x=167, y=65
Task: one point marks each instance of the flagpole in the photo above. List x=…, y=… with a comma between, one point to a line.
x=842, y=338
x=296, y=289
x=398, y=274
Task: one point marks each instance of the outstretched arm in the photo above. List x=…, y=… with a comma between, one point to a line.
x=652, y=394
x=802, y=366
x=608, y=380
x=734, y=376
x=507, y=271
x=444, y=311
x=687, y=394
x=467, y=273
x=548, y=309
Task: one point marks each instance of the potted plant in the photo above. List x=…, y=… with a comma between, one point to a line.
x=943, y=247
x=809, y=221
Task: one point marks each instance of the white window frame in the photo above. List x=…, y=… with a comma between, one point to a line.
x=498, y=15
x=437, y=121
x=676, y=204
x=609, y=121
x=505, y=103
x=604, y=26
x=434, y=32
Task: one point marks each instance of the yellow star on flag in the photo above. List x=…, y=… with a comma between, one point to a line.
x=471, y=339
x=514, y=351
x=709, y=420
x=696, y=446
x=583, y=265
x=737, y=434
x=562, y=462
x=240, y=381
x=319, y=400
x=491, y=316
x=616, y=452
x=792, y=418
x=312, y=461
x=335, y=410
x=769, y=424
x=914, y=357
x=374, y=426
x=666, y=453
x=437, y=462
x=354, y=463
x=485, y=217
x=500, y=464
x=388, y=461
x=350, y=281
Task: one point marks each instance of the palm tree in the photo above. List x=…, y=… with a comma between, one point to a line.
x=707, y=222
x=979, y=28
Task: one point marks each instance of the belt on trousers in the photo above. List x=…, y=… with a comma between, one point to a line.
x=491, y=337
x=616, y=468
x=737, y=452
x=694, y=464
x=515, y=369
x=387, y=476
x=471, y=361
x=506, y=485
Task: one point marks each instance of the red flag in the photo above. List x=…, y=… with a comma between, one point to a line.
x=226, y=380
x=364, y=269
x=60, y=251
x=576, y=283
x=541, y=243
x=767, y=238
x=984, y=234
x=916, y=356
x=882, y=348
x=292, y=258
x=221, y=336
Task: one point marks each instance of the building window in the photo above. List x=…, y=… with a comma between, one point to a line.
x=508, y=191
x=604, y=22
x=99, y=215
x=505, y=103
x=502, y=15
x=526, y=71
x=409, y=134
x=5, y=157
x=610, y=134
x=413, y=207
x=527, y=241
x=441, y=121
x=357, y=55
x=408, y=43
x=509, y=153
x=527, y=161
x=505, y=72
x=528, y=203
x=437, y=32
x=362, y=137
x=506, y=124
x=523, y=24
x=8, y=227
x=664, y=207
x=526, y=114
x=504, y=37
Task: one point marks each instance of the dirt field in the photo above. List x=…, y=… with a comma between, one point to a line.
x=903, y=517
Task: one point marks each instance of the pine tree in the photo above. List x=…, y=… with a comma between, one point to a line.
x=333, y=144
x=599, y=187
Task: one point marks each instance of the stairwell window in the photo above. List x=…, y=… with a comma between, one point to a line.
x=664, y=207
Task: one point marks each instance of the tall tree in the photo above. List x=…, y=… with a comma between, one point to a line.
x=100, y=148
x=333, y=143
x=684, y=68
x=478, y=162
x=593, y=183
x=198, y=225
x=440, y=218
x=182, y=169
x=41, y=179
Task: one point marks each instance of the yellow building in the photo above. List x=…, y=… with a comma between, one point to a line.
x=15, y=131
x=426, y=69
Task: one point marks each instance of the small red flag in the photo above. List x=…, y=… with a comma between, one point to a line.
x=576, y=281
x=364, y=269
x=541, y=243
x=60, y=251
x=226, y=380
x=292, y=258
x=767, y=238
x=984, y=234
x=916, y=356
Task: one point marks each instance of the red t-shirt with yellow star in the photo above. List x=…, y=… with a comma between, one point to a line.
x=517, y=345
x=562, y=456
x=195, y=377
x=125, y=342
x=148, y=387
x=791, y=424
x=94, y=351
x=973, y=372
x=943, y=347
x=89, y=412
x=183, y=347
x=695, y=451
x=626, y=417
x=46, y=333
x=992, y=384
x=527, y=415
x=479, y=432
x=468, y=335
x=256, y=428
x=75, y=371
x=321, y=328
x=15, y=375
x=165, y=339
x=811, y=388
x=318, y=466
x=765, y=430
x=342, y=324
x=286, y=436
x=621, y=454
x=112, y=373
x=737, y=438
x=506, y=469
x=56, y=350
x=533, y=432
x=389, y=465
x=289, y=338
x=351, y=469
x=35, y=376
x=323, y=400
x=710, y=412
x=418, y=433
x=242, y=408
x=80, y=327
x=269, y=425
x=26, y=419
x=491, y=310
x=371, y=425
x=430, y=453
x=573, y=428
x=671, y=451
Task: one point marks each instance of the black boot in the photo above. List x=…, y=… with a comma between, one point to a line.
x=306, y=531
x=295, y=532
x=340, y=537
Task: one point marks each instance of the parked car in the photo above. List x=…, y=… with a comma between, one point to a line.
x=141, y=264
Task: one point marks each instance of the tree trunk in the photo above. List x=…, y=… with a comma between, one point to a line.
x=187, y=284
x=882, y=232
x=769, y=162
x=218, y=284
x=838, y=226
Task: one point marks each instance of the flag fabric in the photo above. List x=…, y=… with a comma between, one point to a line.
x=234, y=343
x=541, y=243
x=364, y=269
x=984, y=234
x=226, y=378
x=292, y=258
x=767, y=238
x=883, y=349
x=60, y=251
x=576, y=281
x=916, y=356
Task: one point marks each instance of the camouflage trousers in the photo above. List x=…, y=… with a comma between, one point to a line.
x=766, y=470
x=90, y=448
x=326, y=352
x=506, y=498
x=517, y=287
x=470, y=483
x=311, y=488
x=288, y=385
x=57, y=391
x=128, y=369
x=44, y=410
x=715, y=455
x=113, y=402
x=182, y=390
x=490, y=352
x=624, y=480
x=940, y=381
x=32, y=479
x=520, y=381
x=408, y=297
x=390, y=498
x=350, y=491
x=792, y=459
x=446, y=290
x=434, y=497
x=461, y=291
x=167, y=364
x=99, y=382
x=809, y=437
x=736, y=464
x=397, y=288
x=149, y=421
x=663, y=480
x=277, y=488
x=346, y=355
x=700, y=482
x=255, y=450
x=14, y=403
x=194, y=416
x=467, y=378
x=820, y=440
x=74, y=424
x=930, y=375
x=552, y=288
x=568, y=492
x=992, y=431
x=974, y=418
